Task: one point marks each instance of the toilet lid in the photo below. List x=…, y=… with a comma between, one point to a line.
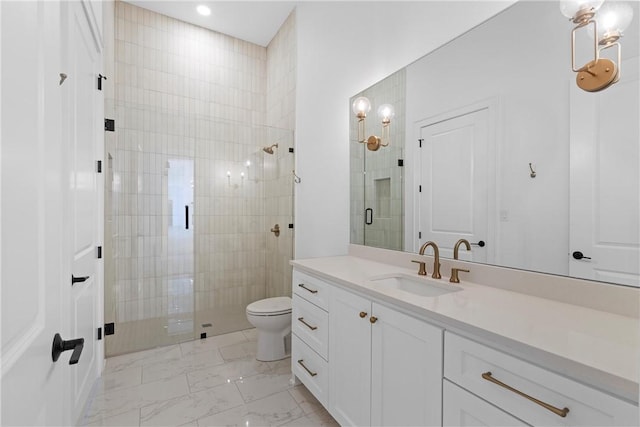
x=270, y=306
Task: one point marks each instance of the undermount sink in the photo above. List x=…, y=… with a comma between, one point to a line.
x=417, y=285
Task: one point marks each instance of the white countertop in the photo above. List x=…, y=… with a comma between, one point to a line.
x=606, y=344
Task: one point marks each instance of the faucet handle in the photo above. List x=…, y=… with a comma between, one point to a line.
x=454, y=274
x=422, y=271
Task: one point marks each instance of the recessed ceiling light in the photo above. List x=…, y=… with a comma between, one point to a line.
x=203, y=10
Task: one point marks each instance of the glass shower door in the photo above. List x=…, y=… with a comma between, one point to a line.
x=149, y=296
x=180, y=248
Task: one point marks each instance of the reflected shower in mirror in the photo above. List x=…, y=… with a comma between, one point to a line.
x=494, y=142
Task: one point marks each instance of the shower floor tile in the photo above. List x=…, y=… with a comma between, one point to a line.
x=215, y=381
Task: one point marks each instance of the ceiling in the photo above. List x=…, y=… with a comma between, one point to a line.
x=254, y=21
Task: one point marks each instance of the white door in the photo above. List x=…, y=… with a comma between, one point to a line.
x=605, y=181
x=33, y=272
x=406, y=370
x=453, y=187
x=350, y=359
x=82, y=133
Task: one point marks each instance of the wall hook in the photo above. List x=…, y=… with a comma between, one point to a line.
x=533, y=173
x=63, y=77
x=296, y=178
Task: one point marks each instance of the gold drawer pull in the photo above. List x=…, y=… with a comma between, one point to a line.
x=363, y=314
x=559, y=412
x=373, y=319
x=313, y=328
x=313, y=291
x=313, y=374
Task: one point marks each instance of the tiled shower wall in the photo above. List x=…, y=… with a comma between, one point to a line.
x=183, y=92
x=381, y=188
x=281, y=97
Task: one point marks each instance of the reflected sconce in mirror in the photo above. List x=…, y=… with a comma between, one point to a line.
x=361, y=106
x=605, y=25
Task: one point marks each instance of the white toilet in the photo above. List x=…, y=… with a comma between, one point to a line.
x=272, y=319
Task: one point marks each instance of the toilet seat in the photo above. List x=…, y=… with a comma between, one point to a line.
x=270, y=307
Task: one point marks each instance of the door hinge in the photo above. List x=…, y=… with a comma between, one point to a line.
x=290, y=225
x=420, y=142
x=99, y=166
x=419, y=188
x=99, y=252
x=419, y=234
x=109, y=125
x=109, y=328
x=99, y=334
x=291, y=149
x=400, y=162
x=100, y=77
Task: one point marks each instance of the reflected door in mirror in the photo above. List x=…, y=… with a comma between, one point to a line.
x=453, y=185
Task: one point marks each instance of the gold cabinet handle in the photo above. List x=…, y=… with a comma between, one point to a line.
x=313, y=374
x=559, y=412
x=373, y=319
x=363, y=314
x=313, y=291
x=313, y=328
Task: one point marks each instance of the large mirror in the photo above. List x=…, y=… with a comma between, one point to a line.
x=493, y=142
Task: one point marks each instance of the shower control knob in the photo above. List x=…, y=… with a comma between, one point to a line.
x=580, y=255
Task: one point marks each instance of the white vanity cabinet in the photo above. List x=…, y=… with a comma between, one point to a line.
x=386, y=366
x=370, y=363
x=310, y=331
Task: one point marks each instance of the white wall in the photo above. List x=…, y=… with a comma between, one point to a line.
x=344, y=47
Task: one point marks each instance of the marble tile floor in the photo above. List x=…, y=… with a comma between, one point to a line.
x=212, y=382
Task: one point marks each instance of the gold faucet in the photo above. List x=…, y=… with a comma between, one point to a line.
x=457, y=247
x=454, y=271
x=436, y=260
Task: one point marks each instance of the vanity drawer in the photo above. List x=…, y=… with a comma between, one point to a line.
x=461, y=409
x=311, y=325
x=310, y=368
x=468, y=364
x=311, y=288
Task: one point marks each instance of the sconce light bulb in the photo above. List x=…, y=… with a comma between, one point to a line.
x=228, y=173
x=241, y=174
x=361, y=106
x=572, y=8
x=386, y=112
x=613, y=18
x=203, y=10
x=248, y=163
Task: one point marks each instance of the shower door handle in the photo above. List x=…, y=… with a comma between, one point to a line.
x=368, y=216
x=186, y=217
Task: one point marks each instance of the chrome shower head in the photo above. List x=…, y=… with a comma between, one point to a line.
x=269, y=150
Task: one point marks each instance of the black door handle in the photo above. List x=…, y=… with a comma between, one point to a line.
x=368, y=216
x=81, y=279
x=481, y=243
x=60, y=345
x=186, y=217
x=580, y=255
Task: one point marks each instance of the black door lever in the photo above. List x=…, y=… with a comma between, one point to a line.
x=81, y=279
x=60, y=345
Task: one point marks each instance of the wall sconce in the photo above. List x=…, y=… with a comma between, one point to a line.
x=605, y=27
x=361, y=106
